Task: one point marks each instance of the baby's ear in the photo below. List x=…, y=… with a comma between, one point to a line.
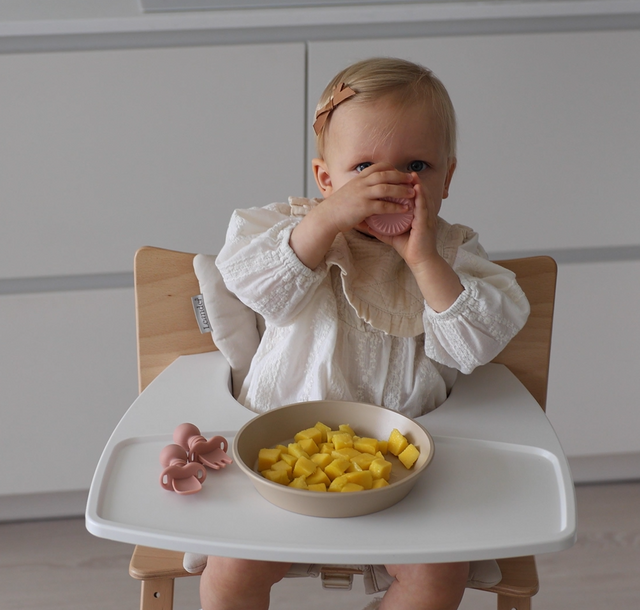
x=447, y=183
x=321, y=174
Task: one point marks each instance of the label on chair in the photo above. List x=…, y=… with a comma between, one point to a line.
x=201, y=314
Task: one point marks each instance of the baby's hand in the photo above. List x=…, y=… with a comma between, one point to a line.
x=438, y=282
x=419, y=243
x=346, y=208
x=370, y=192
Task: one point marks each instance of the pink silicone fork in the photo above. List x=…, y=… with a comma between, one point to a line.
x=211, y=453
x=179, y=475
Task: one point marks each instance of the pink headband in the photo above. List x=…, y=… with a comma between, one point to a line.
x=340, y=93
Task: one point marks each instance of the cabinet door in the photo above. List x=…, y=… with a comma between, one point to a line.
x=104, y=152
x=549, y=136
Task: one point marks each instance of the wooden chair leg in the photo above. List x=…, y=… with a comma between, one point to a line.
x=157, y=594
x=507, y=602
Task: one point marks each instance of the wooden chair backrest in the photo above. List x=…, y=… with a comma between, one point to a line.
x=527, y=355
x=166, y=325
x=167, y=328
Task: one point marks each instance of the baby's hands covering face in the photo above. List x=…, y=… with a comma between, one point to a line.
x=371, y=191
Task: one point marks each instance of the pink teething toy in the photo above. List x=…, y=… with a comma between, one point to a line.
x=392, y=224
x=211, y=453
x=179, y=475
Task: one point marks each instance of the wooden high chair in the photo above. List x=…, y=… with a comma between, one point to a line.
x=164, y=284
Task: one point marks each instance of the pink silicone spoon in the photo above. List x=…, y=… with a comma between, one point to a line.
x=179, y=475
x=211, y=453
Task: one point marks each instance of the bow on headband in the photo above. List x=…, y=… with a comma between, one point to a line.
x=340, y=93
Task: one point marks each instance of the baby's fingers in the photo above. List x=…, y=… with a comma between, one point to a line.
x=425, y=211
x=384, y=173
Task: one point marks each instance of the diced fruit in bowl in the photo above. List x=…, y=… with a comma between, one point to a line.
x=352, y=447
x=354, y=463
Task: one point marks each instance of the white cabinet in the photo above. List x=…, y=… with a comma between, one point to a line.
x=549, y=140
x=104, y=152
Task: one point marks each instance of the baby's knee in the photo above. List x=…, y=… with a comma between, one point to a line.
x=441, y=572
x=239, y=573
x=444, y=582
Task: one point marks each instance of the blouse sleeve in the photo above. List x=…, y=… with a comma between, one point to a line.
x=486, y=316
x=260, y=268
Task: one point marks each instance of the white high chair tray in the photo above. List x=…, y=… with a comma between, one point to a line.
x=499, y=484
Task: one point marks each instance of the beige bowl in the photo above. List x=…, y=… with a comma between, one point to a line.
x=280, y=425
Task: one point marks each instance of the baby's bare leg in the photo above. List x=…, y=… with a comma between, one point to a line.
x=432, y=586
x=239, y=584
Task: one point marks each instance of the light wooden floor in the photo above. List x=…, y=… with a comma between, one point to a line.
x=57, y=565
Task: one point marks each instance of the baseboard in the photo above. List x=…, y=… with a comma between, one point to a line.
x=609, y=468
x=55, y=505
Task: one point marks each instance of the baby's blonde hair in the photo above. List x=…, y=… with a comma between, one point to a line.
x=378, y=77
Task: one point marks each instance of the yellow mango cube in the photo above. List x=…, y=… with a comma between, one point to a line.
x=338, y=483
x=346, y=428
x=321, y=459
x=304, y=467
x=380, y=469
x=363, y=478
x=363, y=461
x=277, y=476
x=337, y=468
x=310, y=433
x=296, y=450
x=308, y=445
x=282, y=465
x=383, y=447
x=346, y=453
x=267, y=458
x=283, y=448
x=409, y=456
x=319, y=476
x=326, y=447
x=378, y=483
x=288, y=458
x=317, y=487
x=366, y=445
x=299, y=483
x=352, y=487
x=323, y=431
x=397, y=442
x=342, y=440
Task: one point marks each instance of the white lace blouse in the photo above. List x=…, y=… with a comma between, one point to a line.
x=357, y=328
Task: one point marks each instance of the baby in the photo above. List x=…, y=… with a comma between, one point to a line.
x=356, y=308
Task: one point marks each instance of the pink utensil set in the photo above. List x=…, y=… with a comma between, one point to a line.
x=185, y=459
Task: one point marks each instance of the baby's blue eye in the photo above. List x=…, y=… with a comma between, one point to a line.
x=417, y=166
x=362, y=166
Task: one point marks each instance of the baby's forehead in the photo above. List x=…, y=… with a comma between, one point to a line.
x=384, y=110
x=381, y=117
